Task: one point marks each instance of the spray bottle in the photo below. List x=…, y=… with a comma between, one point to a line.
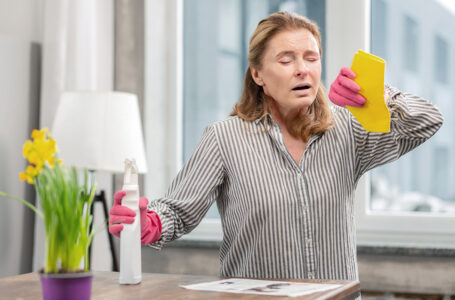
x=130, y=237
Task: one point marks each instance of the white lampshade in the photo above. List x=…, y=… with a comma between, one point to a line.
x=98, y=130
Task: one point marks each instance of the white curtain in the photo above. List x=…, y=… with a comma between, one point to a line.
x=77, y=48
x=20, y=37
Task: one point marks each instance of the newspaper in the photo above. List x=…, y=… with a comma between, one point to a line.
x=262, y=287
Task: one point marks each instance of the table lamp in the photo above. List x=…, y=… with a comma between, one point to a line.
x=98, y=130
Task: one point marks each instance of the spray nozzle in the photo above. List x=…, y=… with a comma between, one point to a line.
x=130, y=177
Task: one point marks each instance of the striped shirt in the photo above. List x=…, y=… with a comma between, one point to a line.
x=283, y=219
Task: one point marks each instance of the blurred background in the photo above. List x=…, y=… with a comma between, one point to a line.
x=185, y=60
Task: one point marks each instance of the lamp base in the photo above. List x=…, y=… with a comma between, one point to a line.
x=102, y=198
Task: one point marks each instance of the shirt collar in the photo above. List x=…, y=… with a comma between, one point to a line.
x=263, y=118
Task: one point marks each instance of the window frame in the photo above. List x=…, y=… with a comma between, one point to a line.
x=376, y=227
x=353, y=16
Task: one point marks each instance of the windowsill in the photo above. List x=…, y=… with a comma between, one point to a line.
x=374, y=249
x=184, y=243
x=405, y=250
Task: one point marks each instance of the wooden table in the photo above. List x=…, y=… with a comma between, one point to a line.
x=157, y=286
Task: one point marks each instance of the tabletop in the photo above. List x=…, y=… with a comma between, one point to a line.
x=160, y=286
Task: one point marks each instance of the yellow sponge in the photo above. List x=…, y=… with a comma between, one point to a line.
x=374, y=116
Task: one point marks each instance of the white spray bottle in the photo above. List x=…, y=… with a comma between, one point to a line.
x=130, y=237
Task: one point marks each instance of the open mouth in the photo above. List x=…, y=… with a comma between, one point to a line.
x=302, y=87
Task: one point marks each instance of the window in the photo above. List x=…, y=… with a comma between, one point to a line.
x=401, y=203
x=379, y=28
x=419, y=181
x=410, y=40
x=441, y=60
x=410, y=201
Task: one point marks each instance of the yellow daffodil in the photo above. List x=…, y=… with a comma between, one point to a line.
x=42, y=150
x=39, y=134
x=30, y=174
x=24, y=176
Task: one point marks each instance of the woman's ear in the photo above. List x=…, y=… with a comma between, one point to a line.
x=256, y=76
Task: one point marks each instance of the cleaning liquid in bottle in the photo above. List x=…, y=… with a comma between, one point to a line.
x=130, y=236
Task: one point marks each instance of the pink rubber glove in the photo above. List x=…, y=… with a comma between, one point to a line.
x=119, y=215
x=344, y=91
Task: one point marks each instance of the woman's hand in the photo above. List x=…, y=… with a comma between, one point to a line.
x=344, y=91
x=119, y=215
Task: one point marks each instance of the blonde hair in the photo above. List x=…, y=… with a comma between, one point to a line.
x=254, y=104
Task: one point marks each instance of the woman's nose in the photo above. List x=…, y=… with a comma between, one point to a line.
x=302, y=69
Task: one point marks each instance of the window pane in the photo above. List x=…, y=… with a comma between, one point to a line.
x=416, y=39
x=441, y=55
x=411, y=44
x=216, y=34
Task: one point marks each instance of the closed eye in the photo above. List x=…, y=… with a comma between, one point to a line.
x=312, y=59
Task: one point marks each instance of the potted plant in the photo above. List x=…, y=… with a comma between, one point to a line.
x=65, y=211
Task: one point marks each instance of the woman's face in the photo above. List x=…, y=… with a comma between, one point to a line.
x=291, y=70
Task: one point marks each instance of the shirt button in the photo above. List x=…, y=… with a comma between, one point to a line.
x=310, y=275
x=305, y=207
x=308, y=241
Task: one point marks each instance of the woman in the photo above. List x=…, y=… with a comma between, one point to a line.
x=283, y=169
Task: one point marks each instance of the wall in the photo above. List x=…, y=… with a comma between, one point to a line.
x=20, y=55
